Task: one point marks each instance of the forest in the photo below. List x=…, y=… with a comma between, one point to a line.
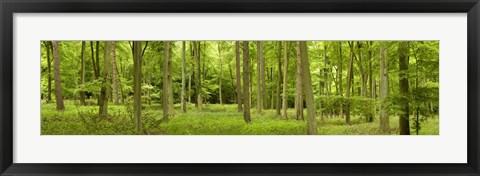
x=239, y=87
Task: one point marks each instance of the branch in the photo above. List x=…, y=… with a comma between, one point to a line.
x=144, y=48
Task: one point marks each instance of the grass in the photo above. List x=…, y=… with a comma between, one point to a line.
x=213, y=119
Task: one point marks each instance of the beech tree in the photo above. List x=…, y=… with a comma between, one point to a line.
x=246, y=82
x=56, y=75
x=137, y=84
x=238, y=76
x=298, y=87
x=404, y=119
x=182, y=96
x=384, y=90
x=105, y=91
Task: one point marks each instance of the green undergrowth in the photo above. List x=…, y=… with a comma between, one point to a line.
x=213, y=119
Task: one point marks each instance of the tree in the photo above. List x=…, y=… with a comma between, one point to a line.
x=56, y=75
x=307, y=87
x=137, y=84
x=404, y=119
x=298, y=87
x=339, y=74
x=165, y=94
x=349, y=83
x=105, y=91
x=48, y=47
x=372, y=81
x=220, y=73
x=115, y=77
x=94, y=65
x=238, y=75
x=246, y=82
x=384, y=90
x=182, y=96
x=279, y=78
x=285, y=72
x=262, y=75
x=198, y=85
x=171, y=109
x=259, y=77
x=82, y=74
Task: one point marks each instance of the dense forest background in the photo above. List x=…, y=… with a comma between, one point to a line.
x=240, y=87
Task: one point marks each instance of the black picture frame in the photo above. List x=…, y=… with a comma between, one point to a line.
x=9, y=7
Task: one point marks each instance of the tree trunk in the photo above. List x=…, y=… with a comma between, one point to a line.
x=198, y=77
x=184, y=65
x=372, y=92
x=272, y=95
x=82, y=75
x=285, y=72
x=349, y=83
x=340, y=76
x=171, y=109
x=279, y=79
x=137, y=84
x=58, y=82
x=97, y=62
x=220, y=74
x=404, y=121
x=384, y=91
x=246, y=82
x=165, y=93
x=262, y=76
x=105, y=91
x=259, y=75
x=298, y=87
x=94, y=65
x=48, y=46
x=115, y=75
x=238, y=75
x=307, y=87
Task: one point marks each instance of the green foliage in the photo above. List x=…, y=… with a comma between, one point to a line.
x=212, y=120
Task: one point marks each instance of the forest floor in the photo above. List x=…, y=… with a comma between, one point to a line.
x=214, y=119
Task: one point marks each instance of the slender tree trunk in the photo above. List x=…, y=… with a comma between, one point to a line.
x=220, y=74
x=48, y=46
x=238, y=75
x=307, y=87
x=56, y=75
x=137, y=84
x=349, y=83
x=340, y=76
x=184, y=65
x=262, y=76
x=115, y=75
x=165, y=99
x=272, y=96
x=198, y=77
x=97, y=62
x=384, y=90
x=298, y=87
x=279, y=79
x=171, y=109
x=372, y=92
x=259, y=75
x=105, y=91
x=82, y=75
x=246, y=82
x=404, y=120
x=285, y=72
x=97, y=51
x=190, y=87
x=94, y=65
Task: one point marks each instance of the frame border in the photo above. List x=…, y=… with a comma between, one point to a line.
x=9, y=7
